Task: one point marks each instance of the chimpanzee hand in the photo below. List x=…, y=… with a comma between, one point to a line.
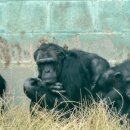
x=57, y=88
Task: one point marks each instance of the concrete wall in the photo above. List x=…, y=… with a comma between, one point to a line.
x=100, y=26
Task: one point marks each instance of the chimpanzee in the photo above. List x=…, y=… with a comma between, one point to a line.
x=46, y=97
x=67, y=72
x=2, y=90
x=113, y=85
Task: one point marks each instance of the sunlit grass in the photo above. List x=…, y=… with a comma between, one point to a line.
x=95, y=117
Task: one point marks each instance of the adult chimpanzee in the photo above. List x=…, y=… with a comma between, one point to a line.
x=114, y=86
x=70, y=72
x=2, y=90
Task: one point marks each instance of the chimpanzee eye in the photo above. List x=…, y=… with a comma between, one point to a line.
x=40, y=65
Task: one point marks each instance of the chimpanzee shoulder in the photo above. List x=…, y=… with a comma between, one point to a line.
x=74, y=75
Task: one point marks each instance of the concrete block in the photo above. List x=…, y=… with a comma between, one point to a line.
x=27, y=16
x=2, y=17
x=110, y=16
x=71, y=17
x=126, y=16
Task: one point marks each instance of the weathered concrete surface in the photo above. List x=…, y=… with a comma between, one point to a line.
x=15, y=76
x=99, y=26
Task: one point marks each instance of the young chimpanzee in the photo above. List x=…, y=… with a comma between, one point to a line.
x=45, y=96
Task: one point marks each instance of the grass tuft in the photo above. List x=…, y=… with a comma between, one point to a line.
x=94, y=117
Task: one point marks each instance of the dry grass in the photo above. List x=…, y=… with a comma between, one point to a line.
x=93, y=118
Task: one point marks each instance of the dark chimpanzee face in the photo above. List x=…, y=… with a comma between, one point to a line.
x=47, y=67
x=47, y=70
x=49, y=63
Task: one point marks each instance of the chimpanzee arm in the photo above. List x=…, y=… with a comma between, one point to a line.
x=40, y=93
x=57, y=88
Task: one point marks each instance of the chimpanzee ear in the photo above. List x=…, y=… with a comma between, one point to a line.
x=118, y=75
x=61, y=55
x=127, y=80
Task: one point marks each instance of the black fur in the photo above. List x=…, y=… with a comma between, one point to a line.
x=2, y=91
x=114, y=86
x=76, y=70
x=2, y=86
